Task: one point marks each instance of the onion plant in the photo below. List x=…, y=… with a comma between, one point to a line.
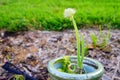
x=69, y=13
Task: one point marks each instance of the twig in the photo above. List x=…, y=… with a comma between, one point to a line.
x=11, y=77
x=113, y=42
x=1, y=64
x=117, y=78
x=71, y=50
x=113, y=77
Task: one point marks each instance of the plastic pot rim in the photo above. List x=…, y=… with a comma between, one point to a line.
x=52, y=70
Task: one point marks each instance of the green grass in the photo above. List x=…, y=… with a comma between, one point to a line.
x=48, y=14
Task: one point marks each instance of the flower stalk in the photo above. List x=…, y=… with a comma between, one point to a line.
x=80, y=41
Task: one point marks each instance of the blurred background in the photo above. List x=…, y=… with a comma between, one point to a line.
x=21, y=15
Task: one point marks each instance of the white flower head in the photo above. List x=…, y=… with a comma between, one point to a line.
x=69, y=12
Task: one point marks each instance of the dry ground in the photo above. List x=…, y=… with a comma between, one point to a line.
x=31, y=51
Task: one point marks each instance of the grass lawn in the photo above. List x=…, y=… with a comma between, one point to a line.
x=48, y=14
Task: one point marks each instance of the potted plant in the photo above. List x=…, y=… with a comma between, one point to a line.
x=75, y=67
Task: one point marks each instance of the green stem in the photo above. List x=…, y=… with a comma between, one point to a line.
x=78, y=43
x=83, y=50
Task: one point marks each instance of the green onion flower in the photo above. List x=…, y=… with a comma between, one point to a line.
x=69, y=13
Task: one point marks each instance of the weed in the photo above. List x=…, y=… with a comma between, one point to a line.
x=19, y=77
x=94, y=39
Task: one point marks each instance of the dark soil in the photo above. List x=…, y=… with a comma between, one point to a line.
x=31, y=51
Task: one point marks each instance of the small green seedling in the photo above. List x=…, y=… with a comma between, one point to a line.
x=8, y=57
x=94, y=39
x=106, y=38
x=105, y=41
x=66, y=62
x=66, y=65
x=19, y=77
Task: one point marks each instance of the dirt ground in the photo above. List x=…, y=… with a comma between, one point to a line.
x=31, y=51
